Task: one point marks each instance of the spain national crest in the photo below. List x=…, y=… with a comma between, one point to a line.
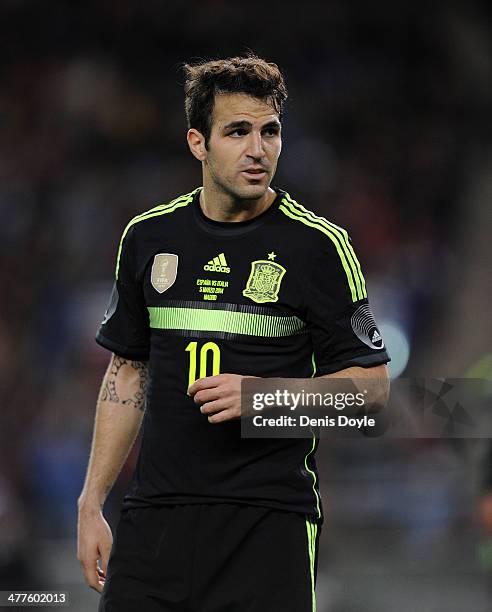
x=264, y=281
x=164, y=271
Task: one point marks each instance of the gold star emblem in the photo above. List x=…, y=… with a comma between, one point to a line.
x=272, y=256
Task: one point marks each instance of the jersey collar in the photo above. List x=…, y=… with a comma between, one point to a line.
x=233, y=228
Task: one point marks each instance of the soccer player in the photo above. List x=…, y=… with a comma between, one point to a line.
x=233, y=279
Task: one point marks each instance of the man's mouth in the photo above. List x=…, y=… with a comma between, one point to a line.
x=254, y=173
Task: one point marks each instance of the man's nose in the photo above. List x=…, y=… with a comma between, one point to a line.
x=255, y=146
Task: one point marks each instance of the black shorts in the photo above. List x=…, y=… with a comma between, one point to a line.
x=211, y=558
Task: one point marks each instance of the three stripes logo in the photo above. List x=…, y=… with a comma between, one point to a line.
x=217, y=264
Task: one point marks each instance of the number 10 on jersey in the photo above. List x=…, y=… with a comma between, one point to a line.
x=208, y=353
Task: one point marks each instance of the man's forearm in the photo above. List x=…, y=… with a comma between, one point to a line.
x=119, y=413
x=374, y=380
x=219, y=397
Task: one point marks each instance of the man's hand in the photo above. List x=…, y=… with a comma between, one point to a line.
x=94, y=543
x=219, y=396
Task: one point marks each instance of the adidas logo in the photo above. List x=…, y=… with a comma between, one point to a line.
x=376, y=336
x=217, y=264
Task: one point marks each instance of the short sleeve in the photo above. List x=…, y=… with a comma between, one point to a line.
x=125, y=326
x=343, y=330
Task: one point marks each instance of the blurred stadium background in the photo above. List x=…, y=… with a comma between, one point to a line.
x=387, y=132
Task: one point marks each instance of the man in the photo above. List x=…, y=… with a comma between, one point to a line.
x=232, y=279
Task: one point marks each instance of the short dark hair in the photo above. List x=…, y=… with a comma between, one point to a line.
x=250, y=75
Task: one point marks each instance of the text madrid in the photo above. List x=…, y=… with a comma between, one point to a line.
x=304, y=421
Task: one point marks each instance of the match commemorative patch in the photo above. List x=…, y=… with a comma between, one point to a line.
x=164, y=271
x=364, y=327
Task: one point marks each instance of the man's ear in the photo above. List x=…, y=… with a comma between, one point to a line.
x=196, y=142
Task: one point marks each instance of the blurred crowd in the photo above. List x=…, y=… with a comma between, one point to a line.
x=388, y=105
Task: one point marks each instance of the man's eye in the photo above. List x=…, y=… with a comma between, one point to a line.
x=238, y=132
x=271, y=132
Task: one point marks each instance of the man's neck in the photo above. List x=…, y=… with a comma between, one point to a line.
x=220, y=206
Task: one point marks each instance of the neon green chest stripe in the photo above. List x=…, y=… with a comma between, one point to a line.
x=197, y=319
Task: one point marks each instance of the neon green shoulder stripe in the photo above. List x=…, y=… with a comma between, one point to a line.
x=348, y=272
x=186, y=196
x=161, y=209
x=344, y=249
x=342, y=234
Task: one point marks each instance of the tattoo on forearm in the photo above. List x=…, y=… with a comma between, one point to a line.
x=138, y=400
x=109, y=393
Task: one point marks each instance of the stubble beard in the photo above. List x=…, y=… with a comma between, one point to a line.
x=245, y=195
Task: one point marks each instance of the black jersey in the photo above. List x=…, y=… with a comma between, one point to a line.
x=279, y=295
